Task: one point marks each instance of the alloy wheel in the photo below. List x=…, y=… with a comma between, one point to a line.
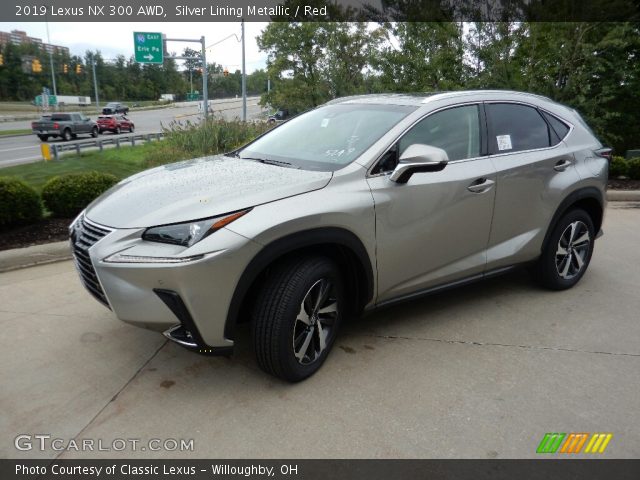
x=573, y=249
x=313, y=326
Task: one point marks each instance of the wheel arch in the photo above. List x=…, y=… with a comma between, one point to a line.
x=341, y=245
x=589, y=199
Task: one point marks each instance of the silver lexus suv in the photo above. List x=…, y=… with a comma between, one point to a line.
x=360, y=203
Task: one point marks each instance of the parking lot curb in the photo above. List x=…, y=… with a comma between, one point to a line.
x=623, y=195
x=17, y=258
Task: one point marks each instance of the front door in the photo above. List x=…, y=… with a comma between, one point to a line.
x=435, y=228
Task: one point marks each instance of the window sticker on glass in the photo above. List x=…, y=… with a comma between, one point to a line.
x=324, y=123
x=504, y=142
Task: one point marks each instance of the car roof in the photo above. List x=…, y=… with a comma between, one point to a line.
x=420, y=99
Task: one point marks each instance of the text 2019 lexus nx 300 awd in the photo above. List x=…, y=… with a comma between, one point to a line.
x=359, y=203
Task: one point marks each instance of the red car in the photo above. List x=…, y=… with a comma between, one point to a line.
x=114, y=123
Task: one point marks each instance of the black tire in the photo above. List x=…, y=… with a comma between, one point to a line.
x=94, y=132
x=66, y=135
x=132, y=128
x=43, y=138
x=276, y=324
x=563, y=263
x=117, y=131
x=100, y=131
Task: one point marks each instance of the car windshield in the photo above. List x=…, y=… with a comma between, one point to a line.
x=327, y=138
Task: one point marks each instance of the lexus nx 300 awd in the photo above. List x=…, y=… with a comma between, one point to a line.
x=362, y=202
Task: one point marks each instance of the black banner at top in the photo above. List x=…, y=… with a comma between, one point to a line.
x=140, y=11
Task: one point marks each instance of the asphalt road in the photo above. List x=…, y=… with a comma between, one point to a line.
x=483, y=371
x=26, y=149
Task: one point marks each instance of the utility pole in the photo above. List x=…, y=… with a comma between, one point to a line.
x=244, y=80
x=95, y=82
x=203, y=57
x=205, y=88
x=53, y=73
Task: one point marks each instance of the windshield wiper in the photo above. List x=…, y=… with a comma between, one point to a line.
x=269, y=161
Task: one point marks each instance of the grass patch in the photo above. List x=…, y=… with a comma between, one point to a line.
x=121, y=162
x=20, y=131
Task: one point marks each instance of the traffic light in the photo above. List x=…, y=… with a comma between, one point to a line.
x=225, y=72
x=1, y=59
x=78, y=69
x=36, y=66
x=65, y=68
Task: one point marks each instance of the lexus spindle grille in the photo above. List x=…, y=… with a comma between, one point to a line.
x=83, y=236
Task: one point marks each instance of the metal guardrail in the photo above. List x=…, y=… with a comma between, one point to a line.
x=55, y=149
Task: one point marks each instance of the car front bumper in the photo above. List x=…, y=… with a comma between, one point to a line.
x=140, y=293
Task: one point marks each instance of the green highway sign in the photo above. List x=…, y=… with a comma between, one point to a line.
x=148, y=47
x=52, y=100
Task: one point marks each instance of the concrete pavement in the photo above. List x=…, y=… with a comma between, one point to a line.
x=483, y=371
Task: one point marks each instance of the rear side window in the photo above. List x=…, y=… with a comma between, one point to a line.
x=516, y=128
x=455, y=130
x=60, y=118
x=558, y=126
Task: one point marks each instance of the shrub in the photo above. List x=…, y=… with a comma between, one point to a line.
x=191, y=140
x=634, y=169
x=67, y=195
x=19, y=203
x=618, y=167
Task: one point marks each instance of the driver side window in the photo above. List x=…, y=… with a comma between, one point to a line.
x=455, y=130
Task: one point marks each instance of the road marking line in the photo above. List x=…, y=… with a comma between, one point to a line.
x=18, y=148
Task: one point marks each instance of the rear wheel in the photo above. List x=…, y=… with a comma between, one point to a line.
x=66, y=135
x=567, y=254
x=296, y=318
x=132, y=128
x=43, y=138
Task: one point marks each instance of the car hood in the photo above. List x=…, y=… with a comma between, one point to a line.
x=199, y=188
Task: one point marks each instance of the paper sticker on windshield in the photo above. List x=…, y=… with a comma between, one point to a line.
x=324, y=123
x=504, y=142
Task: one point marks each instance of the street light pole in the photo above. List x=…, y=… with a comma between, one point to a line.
x=244, y=80
x=53, y=73
x=205, y=88
x=95, y=82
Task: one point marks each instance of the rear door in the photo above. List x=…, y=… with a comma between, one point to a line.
x=534, y=169
x=435, y=228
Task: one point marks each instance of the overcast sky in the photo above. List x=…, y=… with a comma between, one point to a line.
x=114, y=38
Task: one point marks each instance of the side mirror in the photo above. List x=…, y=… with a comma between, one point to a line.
x=419, y=158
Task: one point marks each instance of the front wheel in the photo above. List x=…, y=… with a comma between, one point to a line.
x=296, y=317
x=94, y=132
x=567, y=254
x=118, y=131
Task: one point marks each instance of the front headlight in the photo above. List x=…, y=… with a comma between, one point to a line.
x=187, y=234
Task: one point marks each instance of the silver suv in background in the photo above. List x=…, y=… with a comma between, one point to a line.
x=362, y=202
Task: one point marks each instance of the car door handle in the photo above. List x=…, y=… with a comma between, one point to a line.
x=562, y=165
x=480, y=185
